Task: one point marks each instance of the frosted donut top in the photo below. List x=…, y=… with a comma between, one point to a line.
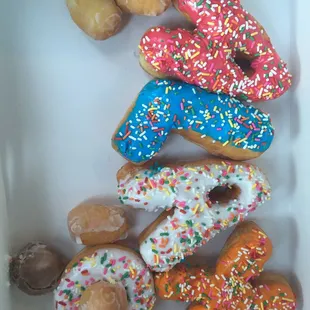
x=165, y=105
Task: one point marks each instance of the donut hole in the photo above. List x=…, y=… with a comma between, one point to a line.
x=224, y=194
x=244, y=61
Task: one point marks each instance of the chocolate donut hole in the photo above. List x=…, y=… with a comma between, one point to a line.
x=244, y=61
x=224, y=193
x=36, y=269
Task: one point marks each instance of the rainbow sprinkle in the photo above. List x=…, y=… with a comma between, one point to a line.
x=111, y=265
x=196, y=218
x=166, y=105
x=230, y=286
x=207, y=57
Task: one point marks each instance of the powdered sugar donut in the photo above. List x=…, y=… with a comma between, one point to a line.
x=200, y=198
x=228, y=52
x=109, y=263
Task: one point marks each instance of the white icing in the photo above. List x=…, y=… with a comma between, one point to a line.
x=144, y=190
x=127, y=269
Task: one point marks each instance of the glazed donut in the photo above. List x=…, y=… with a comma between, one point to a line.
x=218, y=123
x=236, y=283
x=228, y=52
x=144, y=7
x=104, y=296
x=108, y=263
x=201, y=199
x=94, y=224
x=102, y=19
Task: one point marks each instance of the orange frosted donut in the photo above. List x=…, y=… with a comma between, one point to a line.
x=228, y=52
x=236, y=283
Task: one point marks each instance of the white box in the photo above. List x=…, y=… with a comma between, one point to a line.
x=61, y=97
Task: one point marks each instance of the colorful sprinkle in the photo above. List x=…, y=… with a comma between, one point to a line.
x=185, y=107
x=111, y=265
x=208, y=56
x=192, y=224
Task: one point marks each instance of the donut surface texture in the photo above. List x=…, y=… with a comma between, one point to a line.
x=102, y=19
x=94, y=224
x=200, y=200
x=220, y=124
x=228, y=52
x=236, y=283
x=111, y=263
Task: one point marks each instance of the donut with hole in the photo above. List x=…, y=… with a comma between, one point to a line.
x=199, y=200
x=228, y=52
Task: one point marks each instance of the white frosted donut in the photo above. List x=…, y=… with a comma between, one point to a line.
x=111, y=263
x=206, y=196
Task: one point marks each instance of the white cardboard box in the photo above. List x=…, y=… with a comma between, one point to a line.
x=61, y=97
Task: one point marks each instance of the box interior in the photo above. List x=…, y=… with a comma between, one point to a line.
x=63, y=94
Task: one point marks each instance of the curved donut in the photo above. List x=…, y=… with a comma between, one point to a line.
x=110, y=263
x=237, y=282
x=228, y=52
x=218, y=123
x=200, y=198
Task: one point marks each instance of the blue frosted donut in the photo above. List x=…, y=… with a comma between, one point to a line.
x=220, y=124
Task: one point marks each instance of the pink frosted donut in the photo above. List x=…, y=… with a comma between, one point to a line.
x=228, y=52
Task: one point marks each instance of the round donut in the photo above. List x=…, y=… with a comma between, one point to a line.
x=101, y=19
x=220, y=124
x=109, y=263
x=36, y=268
x=200, y=200
x=237, y=281
x=104, y=296
x=94, y=224
x=228, y=52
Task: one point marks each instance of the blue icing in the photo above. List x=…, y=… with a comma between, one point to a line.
x=165, y=105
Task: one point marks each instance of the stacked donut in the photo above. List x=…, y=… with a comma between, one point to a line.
x=206, y=80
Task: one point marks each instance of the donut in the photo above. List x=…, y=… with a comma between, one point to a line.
x=200, y=199
x=228, y=52
x=36, y=268
x=236, y=282
x=94, y=224
x=104, y=296
x=114, y=264
x=144, y=7
x=220, y=124
x=101, y=19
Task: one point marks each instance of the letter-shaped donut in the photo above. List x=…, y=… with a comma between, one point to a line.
x=108, y=263
x=200, y=198
x=218, y=123
x=228, y=52
x=237, y=282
